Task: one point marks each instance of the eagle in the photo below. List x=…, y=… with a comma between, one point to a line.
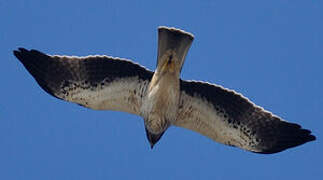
x=161, y=97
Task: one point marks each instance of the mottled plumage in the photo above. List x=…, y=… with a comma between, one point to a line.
x=161, y=97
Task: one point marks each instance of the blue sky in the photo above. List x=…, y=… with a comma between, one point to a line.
x=270, y=51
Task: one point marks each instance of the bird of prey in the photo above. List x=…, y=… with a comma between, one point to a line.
x=161, y=97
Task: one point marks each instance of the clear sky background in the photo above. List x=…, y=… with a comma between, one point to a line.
x=270, y=51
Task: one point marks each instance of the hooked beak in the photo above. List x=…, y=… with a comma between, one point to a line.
x=153, y=138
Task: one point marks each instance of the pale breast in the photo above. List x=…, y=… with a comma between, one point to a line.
x=161, y=103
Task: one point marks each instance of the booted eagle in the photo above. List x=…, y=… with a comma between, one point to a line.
x=161, y=97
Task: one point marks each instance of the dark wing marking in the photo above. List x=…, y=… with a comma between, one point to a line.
x=229, y=118
x=97, y=82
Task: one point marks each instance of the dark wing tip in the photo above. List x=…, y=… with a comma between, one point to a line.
x=289, y=135
x=22, y=54
x=35, y=63
x=18, y=53
x=20, y=50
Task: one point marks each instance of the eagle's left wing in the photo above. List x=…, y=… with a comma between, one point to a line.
x=96, y=82
x=229, y=118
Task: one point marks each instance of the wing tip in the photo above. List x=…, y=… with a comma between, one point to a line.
x=29, y=60
x=23, y=54
x=18, y=52
x=297, y=138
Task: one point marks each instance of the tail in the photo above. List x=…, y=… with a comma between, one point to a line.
x=173, y=43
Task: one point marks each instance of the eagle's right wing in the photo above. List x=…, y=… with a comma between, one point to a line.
x=229, y=118
x=96, y=82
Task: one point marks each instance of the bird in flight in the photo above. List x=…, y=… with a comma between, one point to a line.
x=161, y=97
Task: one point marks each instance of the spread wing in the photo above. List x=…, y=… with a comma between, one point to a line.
x=229, y=118
x=96, y=82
